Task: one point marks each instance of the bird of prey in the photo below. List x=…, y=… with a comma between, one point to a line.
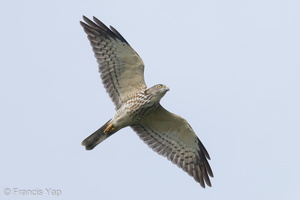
x=122, y=74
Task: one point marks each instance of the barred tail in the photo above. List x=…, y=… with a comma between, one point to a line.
x=97, y=137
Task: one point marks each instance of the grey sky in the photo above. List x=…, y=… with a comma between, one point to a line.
x=233, y=69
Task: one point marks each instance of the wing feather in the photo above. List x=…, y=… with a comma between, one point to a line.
x=121, y=68
x=171, y=136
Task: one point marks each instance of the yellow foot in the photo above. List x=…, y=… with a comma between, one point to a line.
x=109, y=128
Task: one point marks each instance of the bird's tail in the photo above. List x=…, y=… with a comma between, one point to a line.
x=98, y=136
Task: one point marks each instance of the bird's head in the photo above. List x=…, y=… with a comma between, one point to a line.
x=157, y=91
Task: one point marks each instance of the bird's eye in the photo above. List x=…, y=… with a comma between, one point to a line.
x=159, y=86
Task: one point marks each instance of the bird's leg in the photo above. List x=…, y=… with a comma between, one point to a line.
x=109, y=128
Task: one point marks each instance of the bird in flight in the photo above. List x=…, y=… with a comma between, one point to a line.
x=122, y=74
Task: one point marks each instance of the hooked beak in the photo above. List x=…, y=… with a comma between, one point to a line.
x=167, y=88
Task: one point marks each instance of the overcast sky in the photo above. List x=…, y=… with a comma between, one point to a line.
x=234, y=72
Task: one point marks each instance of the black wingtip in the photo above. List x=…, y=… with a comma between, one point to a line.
x=100, y=27
x=84, y=18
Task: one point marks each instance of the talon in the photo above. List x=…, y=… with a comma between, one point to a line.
x=109, y=128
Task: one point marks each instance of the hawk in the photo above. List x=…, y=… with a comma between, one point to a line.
x=122, y=74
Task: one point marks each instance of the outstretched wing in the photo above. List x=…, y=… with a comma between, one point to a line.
x=121, y=68
x=171, y=136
